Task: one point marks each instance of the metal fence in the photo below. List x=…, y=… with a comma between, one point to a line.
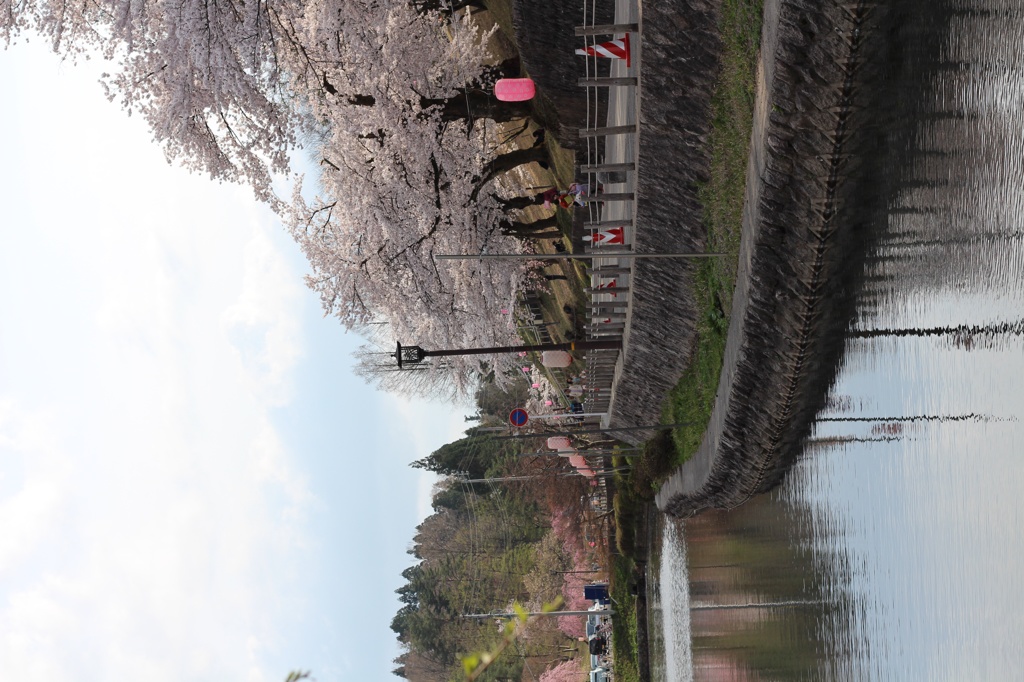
x=608, y=172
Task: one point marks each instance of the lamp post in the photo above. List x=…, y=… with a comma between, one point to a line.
x=413, y=355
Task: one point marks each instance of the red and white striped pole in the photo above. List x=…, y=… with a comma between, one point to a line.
x=613, y=49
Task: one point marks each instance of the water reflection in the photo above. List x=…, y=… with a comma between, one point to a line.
x=893, y=549
x=671, y=655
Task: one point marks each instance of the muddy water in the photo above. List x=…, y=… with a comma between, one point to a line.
x=894, y=549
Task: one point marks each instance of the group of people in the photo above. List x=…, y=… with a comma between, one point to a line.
x=576, y=195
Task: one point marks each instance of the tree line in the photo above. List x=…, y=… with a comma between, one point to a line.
x=491, y=541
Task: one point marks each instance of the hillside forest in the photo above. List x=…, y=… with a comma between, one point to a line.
x=492, y=541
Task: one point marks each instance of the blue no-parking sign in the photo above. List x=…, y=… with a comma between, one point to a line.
x=518, y=417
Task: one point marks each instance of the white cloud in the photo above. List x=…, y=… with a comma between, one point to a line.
x=153, y=521
x=156, y=523
x=430, y=425
x=261, y=323
x=31, y=501
x=425, y=494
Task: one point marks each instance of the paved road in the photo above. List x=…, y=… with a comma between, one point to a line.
x=622, y=110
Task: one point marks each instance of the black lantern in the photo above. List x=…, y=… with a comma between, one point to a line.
x=409, y=355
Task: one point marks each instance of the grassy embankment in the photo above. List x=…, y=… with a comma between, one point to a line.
x=732, y=109
x=693, y=397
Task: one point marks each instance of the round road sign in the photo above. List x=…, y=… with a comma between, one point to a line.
x=518, y=417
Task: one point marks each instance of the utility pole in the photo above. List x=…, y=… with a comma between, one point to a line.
x=513, y=614
x=545, y=434
x=625, y=452
x=534, y=477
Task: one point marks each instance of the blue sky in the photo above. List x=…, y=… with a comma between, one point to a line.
x=193, y=485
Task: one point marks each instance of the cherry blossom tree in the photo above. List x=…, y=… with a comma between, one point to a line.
x=566, y=671
x=373, y=252
x=404, y=182
x=391, y=92
x=225, y=85
x=211, y=78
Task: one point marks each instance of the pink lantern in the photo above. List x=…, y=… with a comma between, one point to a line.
x=580, y=463
x=556, y=358
x=559, y=443
x=534, y=385
x=515, y=89
x=548, y=403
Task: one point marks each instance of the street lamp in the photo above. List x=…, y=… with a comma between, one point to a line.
x=413, y=355
x=408, y=355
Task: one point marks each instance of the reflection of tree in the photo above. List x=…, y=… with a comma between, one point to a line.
x=961, y=331
x=832, y=441
x=763, y=554
x=942, y=217
x=971, y=417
